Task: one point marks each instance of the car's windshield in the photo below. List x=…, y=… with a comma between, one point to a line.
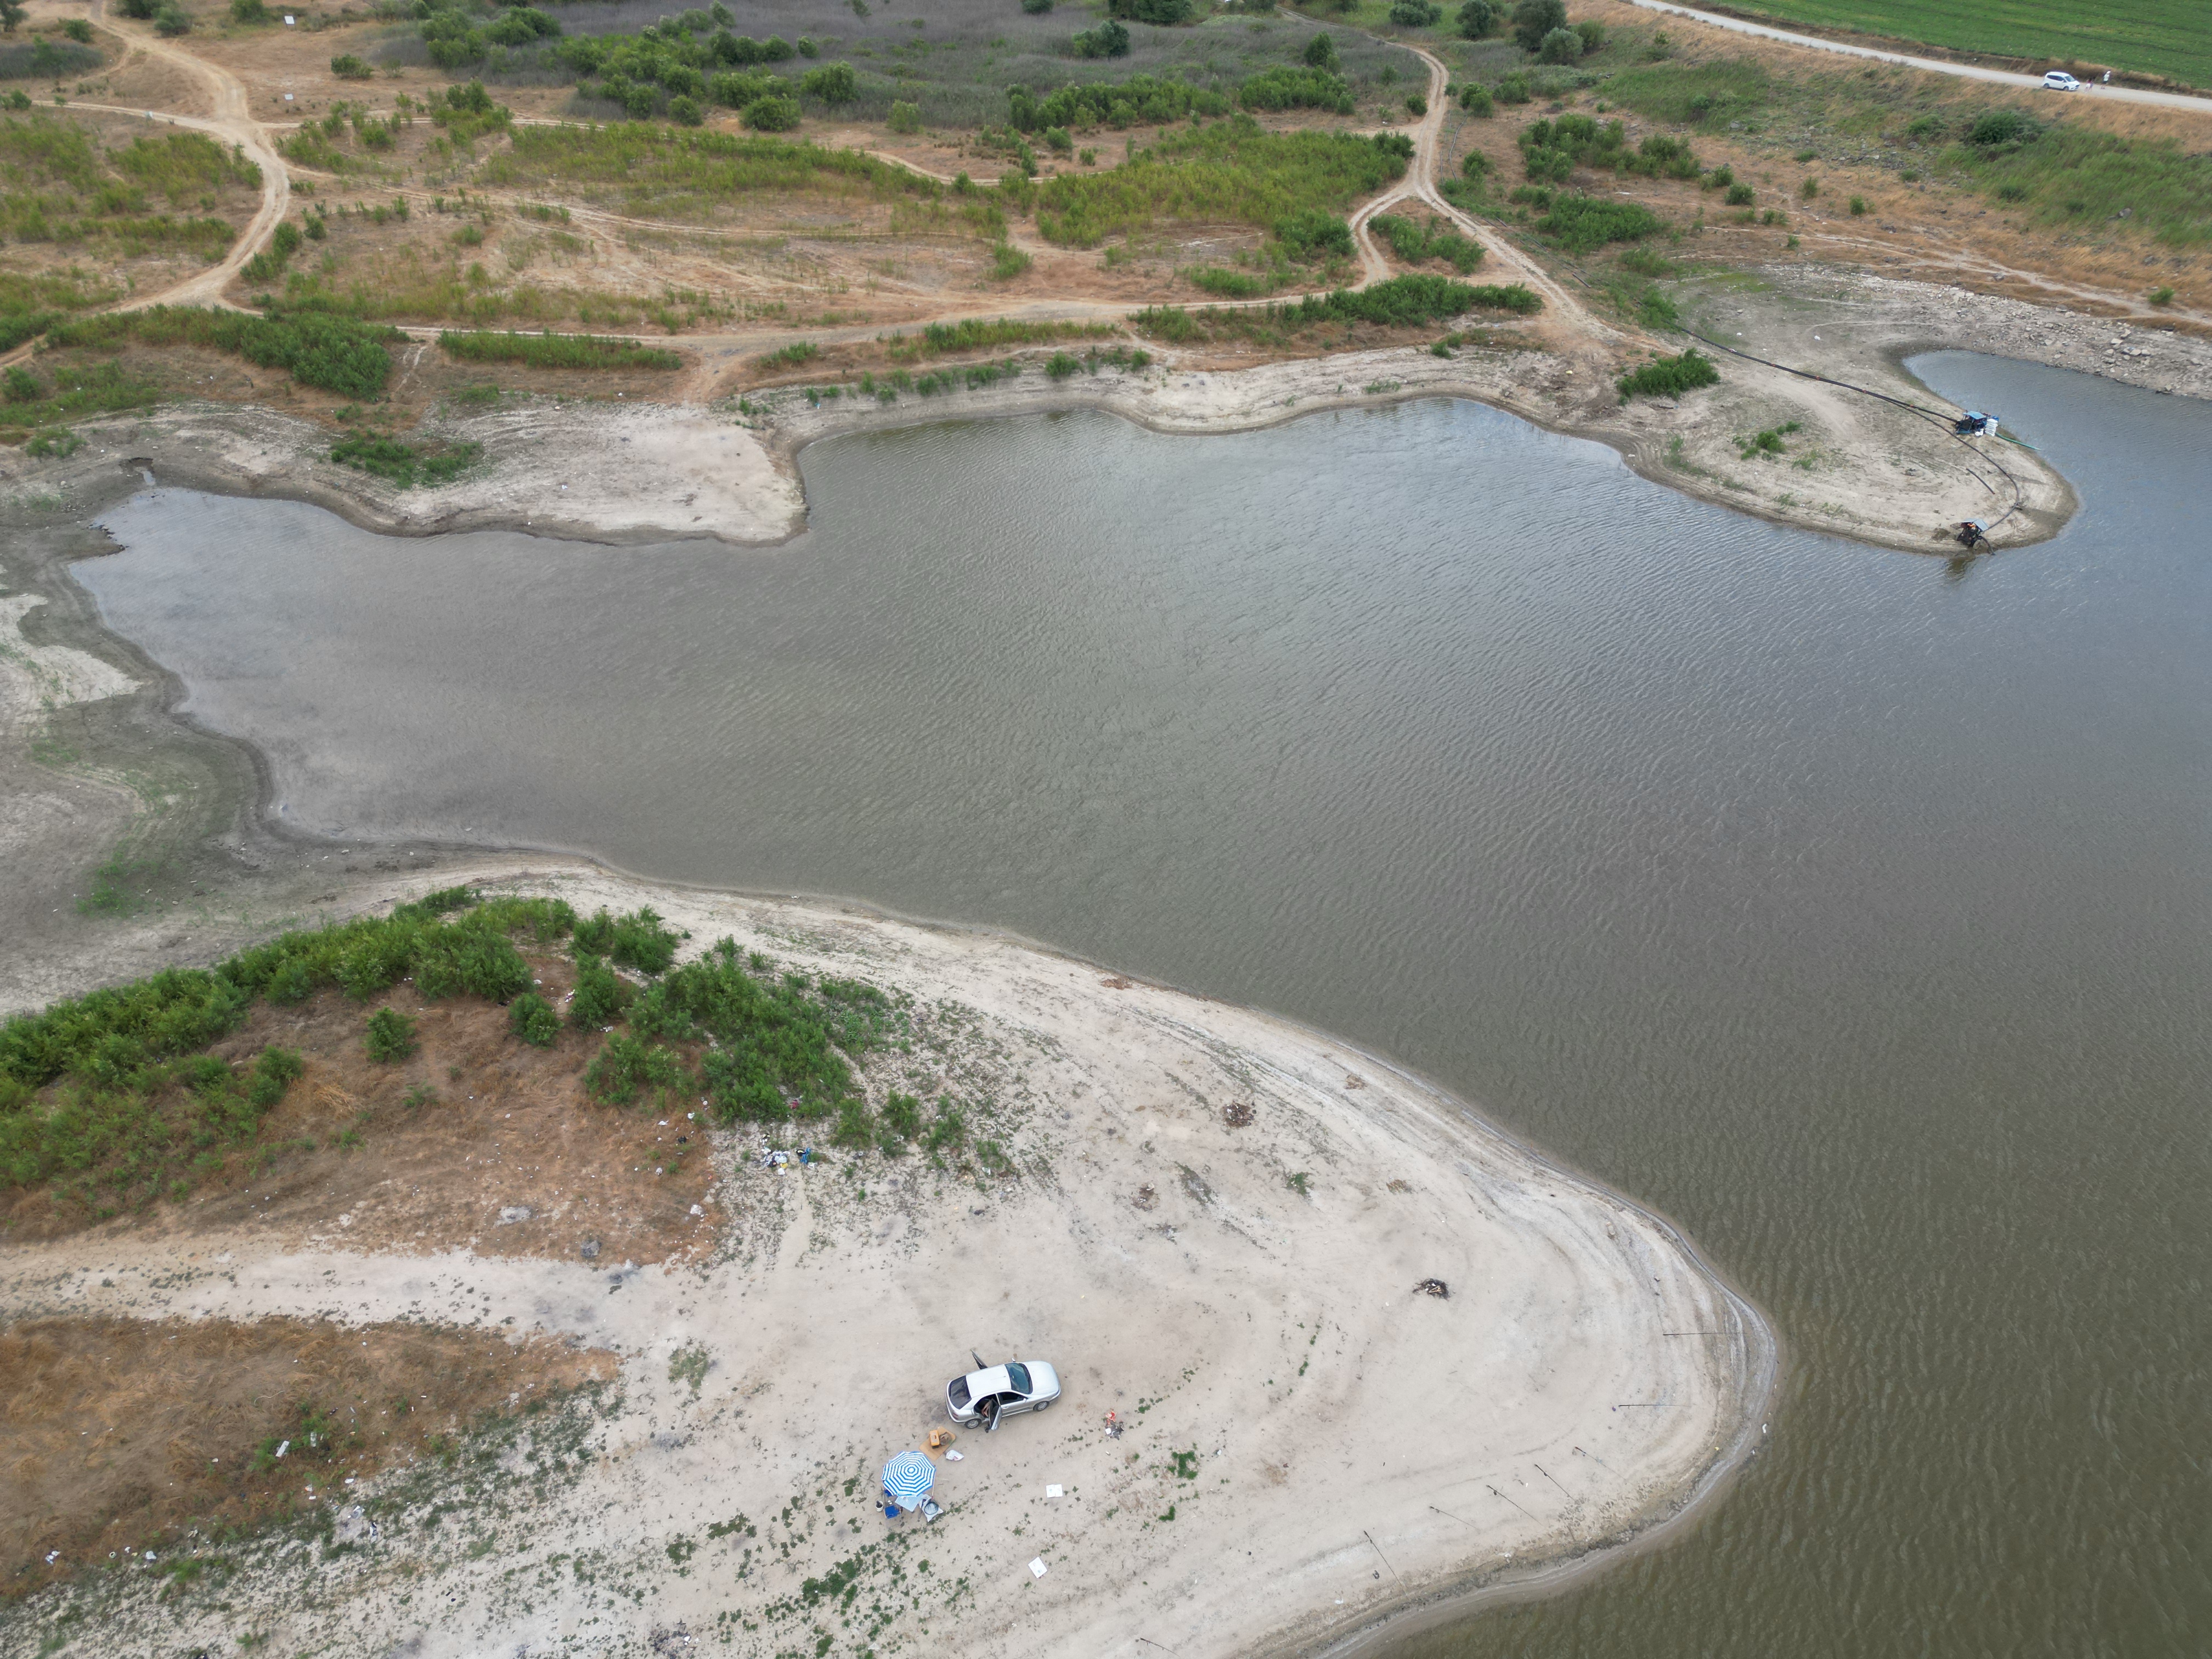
x=1018, y=1375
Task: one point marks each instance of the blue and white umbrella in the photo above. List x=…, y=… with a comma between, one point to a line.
x=908, y=1477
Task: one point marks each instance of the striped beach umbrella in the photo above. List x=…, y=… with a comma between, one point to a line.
x=908, y=1476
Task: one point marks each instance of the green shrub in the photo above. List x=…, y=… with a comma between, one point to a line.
x=405, y=464
x=902, y=1116
x=1415, y=14
x=333, y=353
x=1287, y=86
x=625, y=1066
x=347, y=67
x=1859, y=206
x=532, y=1018
x=949, y=1130
x=1739, y=196
x=172, y=20
x=1582, y=224
x=1476, y=19
x=772, y=114
x=1309, y=233
x=467, y=960
x=1109, y=39
x=1227, y=285
x=274, y=1071
x=1559, y=47
x=1533, y=20
x=1592, y=33
x=1400, y=301
x=1320, y=52
x=855, y=1127
x=116, y=1056
x=1476, y=102
x=391, y=1037
x=1415, y=244
x=1514, y=88
x=1416, y=104
x=2161, y=295
x=553, y=350
x=1141, y=101
x=600, y=995
x=833, y=83
x=907, y=117
x=684, y=111
x=636, y=940
x=1999, y=127
x=1670, y=377
x=1810, y=189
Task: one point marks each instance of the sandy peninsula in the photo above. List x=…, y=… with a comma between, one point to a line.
x=1312, y=1443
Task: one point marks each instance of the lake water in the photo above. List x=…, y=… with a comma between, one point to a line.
x=1851, y=907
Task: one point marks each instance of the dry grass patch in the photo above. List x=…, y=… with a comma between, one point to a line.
x=122, y=1432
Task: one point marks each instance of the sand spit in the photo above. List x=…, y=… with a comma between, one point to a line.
x=1242, y=1295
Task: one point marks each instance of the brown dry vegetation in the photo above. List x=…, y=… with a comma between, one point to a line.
x=120, y=1431
x=345, y=1158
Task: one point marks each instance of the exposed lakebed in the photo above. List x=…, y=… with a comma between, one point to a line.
x=1849, y=907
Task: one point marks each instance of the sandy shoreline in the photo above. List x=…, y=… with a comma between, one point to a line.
x=1366, y=1449
x=642, y=473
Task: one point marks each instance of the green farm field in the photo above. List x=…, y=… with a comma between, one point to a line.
x=2156, y=36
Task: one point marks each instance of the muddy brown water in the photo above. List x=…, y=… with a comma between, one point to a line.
x=1850, y=907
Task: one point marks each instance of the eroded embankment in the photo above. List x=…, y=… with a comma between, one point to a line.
x=628, y=472
x=1213, y=1221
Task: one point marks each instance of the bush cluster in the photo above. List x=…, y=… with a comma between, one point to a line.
x=334, y=353
x=1551, y=149
x=1311, y=235
x=1109, y=39
x=1400, y=301
x=1415, y=244
x=403, y=463
x=1670, y=377
x=134, y=1107
x=1288, y=86
x=1141, y=101
x=1582, y=224
x=553, y=350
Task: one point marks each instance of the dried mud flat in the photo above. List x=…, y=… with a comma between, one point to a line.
x=1241, y=1293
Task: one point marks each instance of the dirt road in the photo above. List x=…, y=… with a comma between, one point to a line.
x=230, y=121
x=1934, y=65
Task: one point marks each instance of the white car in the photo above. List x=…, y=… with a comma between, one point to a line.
x=2060, y=81
x=995, y=1393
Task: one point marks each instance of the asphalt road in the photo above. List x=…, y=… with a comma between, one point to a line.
x=1938, y=65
